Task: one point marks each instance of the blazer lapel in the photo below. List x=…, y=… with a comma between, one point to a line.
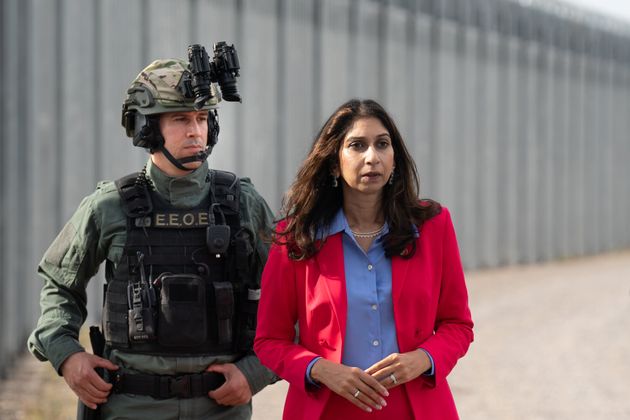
x=400, y=266
x=332, y=272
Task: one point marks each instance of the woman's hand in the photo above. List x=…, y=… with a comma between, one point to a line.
x=398, y=368
x=351, y=383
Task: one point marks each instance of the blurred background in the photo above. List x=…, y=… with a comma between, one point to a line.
x=517, y=114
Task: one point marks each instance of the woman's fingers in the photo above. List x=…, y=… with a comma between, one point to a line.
x=362, y=401
x=381, y=364
x=399, y=368
x=368, y=390
x=351, y=383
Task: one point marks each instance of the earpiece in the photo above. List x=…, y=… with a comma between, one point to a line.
x=213, y=128
x=145, y=129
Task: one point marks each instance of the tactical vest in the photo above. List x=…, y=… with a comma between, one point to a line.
x=184, y=284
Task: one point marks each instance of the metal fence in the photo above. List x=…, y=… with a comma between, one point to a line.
x=517, y=113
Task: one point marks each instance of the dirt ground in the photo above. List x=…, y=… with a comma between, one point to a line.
x=552, y=342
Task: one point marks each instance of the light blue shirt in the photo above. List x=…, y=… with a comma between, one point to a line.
x=370, y=326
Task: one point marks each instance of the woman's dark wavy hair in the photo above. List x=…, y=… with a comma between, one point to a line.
x=312, y=201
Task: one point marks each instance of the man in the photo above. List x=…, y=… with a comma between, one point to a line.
x=184, y=249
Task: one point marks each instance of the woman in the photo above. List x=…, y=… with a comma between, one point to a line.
x=371, y=275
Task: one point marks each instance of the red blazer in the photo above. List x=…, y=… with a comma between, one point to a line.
x=430, y=311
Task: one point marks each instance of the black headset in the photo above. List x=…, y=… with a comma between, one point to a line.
x=145, y=129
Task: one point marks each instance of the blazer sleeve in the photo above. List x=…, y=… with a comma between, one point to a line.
x=277, y=316
x=453, y=324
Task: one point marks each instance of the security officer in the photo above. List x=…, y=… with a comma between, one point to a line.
x=184, y=248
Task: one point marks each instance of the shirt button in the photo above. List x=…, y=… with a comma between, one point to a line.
x=374, y=307
x=375, y=343
x=370, y=267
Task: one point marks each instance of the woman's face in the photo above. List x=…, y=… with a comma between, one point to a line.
x=366, y=157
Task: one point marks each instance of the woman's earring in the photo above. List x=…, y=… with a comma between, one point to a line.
x=391, y=179
x=335, y=183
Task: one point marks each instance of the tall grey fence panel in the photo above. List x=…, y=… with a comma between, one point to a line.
x=5, y=352
x=364, y=54
x=527, y=177
x=13, y=190
x=581, y=213
x=260, y=133
x=334, y=50
x=617, y=144
x=515, y=113
x=76, y=94
x=489, y=101
x=613, y=171
x=590, y=169
x=43, y=213
x=623, y=199
x=423, y=91
x=121, y=52
x=297, y=123
x=444, y=154
x=597, y=151
x=396, y=62
x=572, y=170
x=557, y=139
x=469, y=185
x=607, y=142
x=511, y=86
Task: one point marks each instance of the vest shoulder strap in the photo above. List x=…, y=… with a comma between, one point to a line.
x=136, y=200
x=227, y=190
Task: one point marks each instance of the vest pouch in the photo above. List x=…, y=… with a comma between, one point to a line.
x=182, y=315
x=224, y=308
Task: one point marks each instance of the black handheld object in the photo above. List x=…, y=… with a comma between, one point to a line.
x=141, y=301
x=98, y=347
x=223, y=69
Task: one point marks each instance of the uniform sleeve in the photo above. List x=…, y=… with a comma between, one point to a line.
x=257, y=375
x=256, y=213
x=66, y=268
x=453, y=324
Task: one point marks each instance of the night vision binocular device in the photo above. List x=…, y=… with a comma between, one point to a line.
x=223, y=70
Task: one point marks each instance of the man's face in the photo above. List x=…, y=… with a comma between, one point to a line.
x=185, y=134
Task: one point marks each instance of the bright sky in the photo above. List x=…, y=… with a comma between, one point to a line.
x=619, y=9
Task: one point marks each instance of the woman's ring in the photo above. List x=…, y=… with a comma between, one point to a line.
x=393, y=378
x=356, y=394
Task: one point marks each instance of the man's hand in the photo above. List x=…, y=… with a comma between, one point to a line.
x=351, y=383
x=78, y=372
x=404, y=367
x=235, y=390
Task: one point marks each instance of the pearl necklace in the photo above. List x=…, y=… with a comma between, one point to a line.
x=368, y=234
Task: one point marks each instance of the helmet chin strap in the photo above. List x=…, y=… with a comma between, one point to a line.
x=179, y=163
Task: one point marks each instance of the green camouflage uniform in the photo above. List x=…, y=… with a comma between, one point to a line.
x=97, y=232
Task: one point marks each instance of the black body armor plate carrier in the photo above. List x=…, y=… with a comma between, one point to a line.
x=184, y=284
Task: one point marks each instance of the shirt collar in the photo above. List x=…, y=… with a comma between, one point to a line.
x=183, y=191
x=339, y=223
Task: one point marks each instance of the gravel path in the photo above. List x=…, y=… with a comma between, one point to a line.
x=552, y=342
